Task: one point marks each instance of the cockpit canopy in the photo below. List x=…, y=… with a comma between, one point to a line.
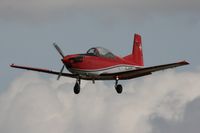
x=99, y=51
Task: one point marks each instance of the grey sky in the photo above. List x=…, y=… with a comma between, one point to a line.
x=170, y=32
x=45, y=9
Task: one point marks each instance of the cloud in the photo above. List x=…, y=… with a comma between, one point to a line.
x=189, y=123
x=51, y=9
x=33, y=104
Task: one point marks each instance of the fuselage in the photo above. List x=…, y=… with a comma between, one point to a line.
x=95, y=65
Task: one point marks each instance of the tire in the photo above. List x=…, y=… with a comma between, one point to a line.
x=76, y=88
x=119, y=89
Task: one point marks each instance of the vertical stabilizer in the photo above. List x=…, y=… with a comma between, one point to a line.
x=136, y=58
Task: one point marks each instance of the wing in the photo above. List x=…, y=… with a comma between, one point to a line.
x=140, y=72
x=110, y=76
x=44, y=71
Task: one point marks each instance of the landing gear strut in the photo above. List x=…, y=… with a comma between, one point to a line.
x=118, y=87
x=77, y=86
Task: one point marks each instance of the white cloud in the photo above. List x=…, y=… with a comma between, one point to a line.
x=32, y=104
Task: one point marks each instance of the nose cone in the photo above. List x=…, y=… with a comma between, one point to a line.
x=66, y=61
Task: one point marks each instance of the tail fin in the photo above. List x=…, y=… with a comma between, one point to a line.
x=136, y=58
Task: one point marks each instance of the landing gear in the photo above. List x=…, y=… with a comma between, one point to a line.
x=118, y=87
x=77, y=86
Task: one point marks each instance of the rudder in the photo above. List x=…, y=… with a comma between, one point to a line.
x=136, y=58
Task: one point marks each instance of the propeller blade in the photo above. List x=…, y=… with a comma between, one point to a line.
x=61, y=72
x=58, y=49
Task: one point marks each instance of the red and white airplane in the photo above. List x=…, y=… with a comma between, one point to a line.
x=100, y=64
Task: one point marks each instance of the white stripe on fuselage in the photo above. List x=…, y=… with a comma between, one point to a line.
x=112, y=69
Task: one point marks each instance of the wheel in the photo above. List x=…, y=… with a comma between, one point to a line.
x=76, y=88
x=119, y=88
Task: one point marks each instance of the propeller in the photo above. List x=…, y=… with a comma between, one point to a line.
x=58, y=49
x=60, y=74
x=61, y=53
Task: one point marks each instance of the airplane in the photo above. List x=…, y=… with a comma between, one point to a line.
x=99, y=63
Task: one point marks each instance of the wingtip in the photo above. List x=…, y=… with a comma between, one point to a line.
x=12, y=65
x=184, y=62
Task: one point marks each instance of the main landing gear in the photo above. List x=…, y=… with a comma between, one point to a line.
x=118, y=87
x=77, y=87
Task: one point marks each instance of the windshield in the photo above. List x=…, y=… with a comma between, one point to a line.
x=99, y=51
